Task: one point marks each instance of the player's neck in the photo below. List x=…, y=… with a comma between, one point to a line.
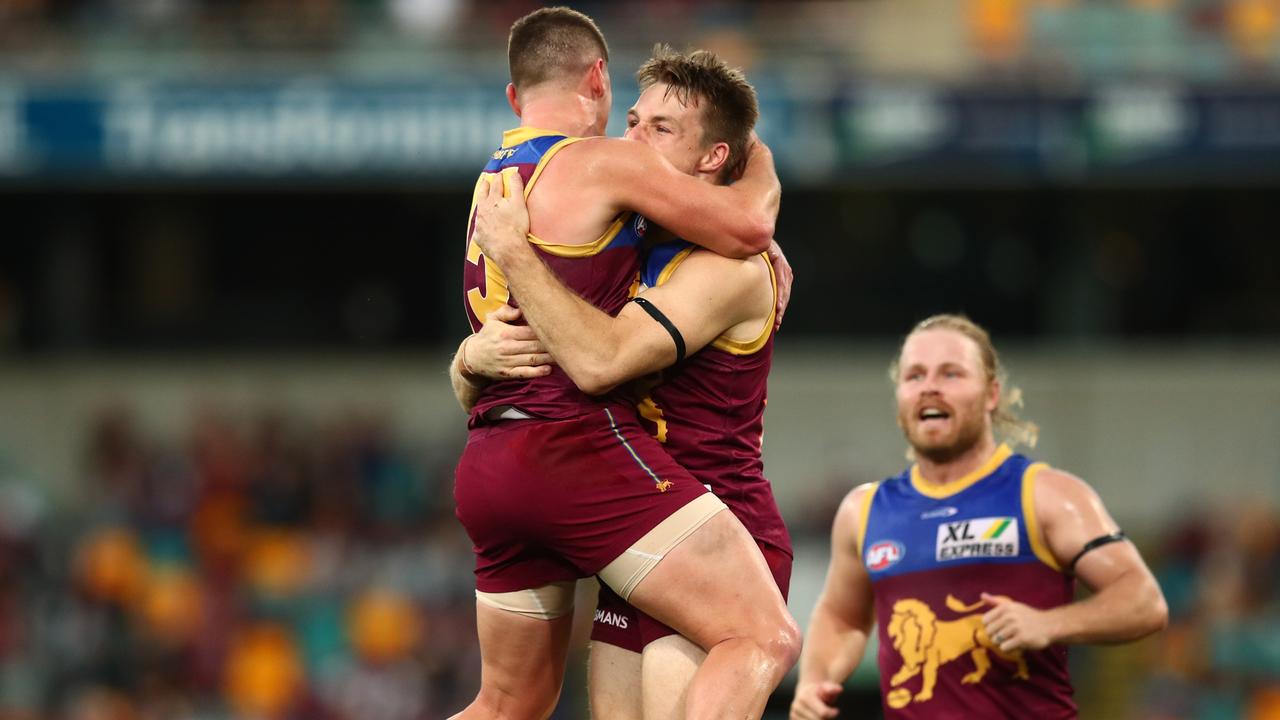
x=941, y=473
x=570, y=114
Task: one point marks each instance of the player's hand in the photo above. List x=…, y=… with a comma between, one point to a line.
x=757, y=152
x=756, y=149
x=785, y=276
x=1012, y=625
x=502, y=219
x=502, y=350
x=815, y=700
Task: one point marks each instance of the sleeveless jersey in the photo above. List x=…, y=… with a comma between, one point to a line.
x=708, y=412
x=604, y=273
x=930, y=552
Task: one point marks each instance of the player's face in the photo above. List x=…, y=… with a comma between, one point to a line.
x=944, y=397
x=659, y=120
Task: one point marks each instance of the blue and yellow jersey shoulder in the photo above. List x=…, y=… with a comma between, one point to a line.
x=529, y=150
x=603, y=272
x=661, y=261
x=987, y=516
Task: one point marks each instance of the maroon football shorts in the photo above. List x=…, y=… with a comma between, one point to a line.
x=554, y=500
x=619, y=624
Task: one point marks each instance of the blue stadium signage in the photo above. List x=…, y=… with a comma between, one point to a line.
x=322, y=127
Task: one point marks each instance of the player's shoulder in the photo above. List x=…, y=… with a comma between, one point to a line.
x=856, y=500
x=601, y=156
x=608, y=148
x=589, y=168
x=1057, y=485
x=745, y=270
x=581, y=170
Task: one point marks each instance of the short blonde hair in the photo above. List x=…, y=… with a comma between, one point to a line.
x=1005, y=419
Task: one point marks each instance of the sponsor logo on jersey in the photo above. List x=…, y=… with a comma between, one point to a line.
x=609, y=618
x=884, y=554
x=938, y=513
x=993, y=537
x=642, y=225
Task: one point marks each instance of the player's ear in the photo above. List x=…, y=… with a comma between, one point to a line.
x=598, y=78
x=993, y=395
x=513, y=99
x=714, y=158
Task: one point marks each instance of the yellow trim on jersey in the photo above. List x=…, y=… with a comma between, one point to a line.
x=634, y=290
x=515, y=136
x=938, y=492
x=1039, y=545
x=864, y=516
x=674, y=263
x=497, y=293
x=725, y=343
x=594, y=248
x=740, y=347
x=525, y=134
x=546, y=158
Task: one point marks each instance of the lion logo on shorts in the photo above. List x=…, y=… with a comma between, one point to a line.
x=927, y=643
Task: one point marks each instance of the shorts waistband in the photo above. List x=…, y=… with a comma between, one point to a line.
x=505, y=412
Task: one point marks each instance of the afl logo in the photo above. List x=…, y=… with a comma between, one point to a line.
x=641, y=226
x=884, y=554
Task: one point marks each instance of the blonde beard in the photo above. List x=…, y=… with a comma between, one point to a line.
x=966, y=438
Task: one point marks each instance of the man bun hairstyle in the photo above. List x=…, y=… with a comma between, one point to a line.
x=727, y=101
x=554, y=43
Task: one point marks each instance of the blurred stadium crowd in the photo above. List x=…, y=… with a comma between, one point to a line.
x=1057, y=40
x=1220, y=657
x=268, y=563
x=272, y=566
x=262, y=567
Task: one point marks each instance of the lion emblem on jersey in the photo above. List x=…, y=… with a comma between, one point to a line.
x=927, y=643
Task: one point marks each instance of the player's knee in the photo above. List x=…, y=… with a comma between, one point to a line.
x=784, y=644
x=530, y=703
x=780, y=639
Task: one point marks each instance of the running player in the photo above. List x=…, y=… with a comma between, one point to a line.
x=968, y=560
x=554, y=485
x=709, y=409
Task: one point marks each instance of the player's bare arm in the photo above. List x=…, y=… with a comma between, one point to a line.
x=735, y=220
x=1126, y=604
x=706, y=296
x=841, y=620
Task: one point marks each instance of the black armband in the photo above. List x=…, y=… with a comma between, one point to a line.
x=1094, y=544
x=656, y=314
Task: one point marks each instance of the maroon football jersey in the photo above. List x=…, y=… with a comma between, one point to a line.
x=604, y=273
x=708, y=412
x=930, y=553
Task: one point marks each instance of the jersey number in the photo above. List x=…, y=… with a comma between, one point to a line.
x=495, y=293
x=650, y=411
